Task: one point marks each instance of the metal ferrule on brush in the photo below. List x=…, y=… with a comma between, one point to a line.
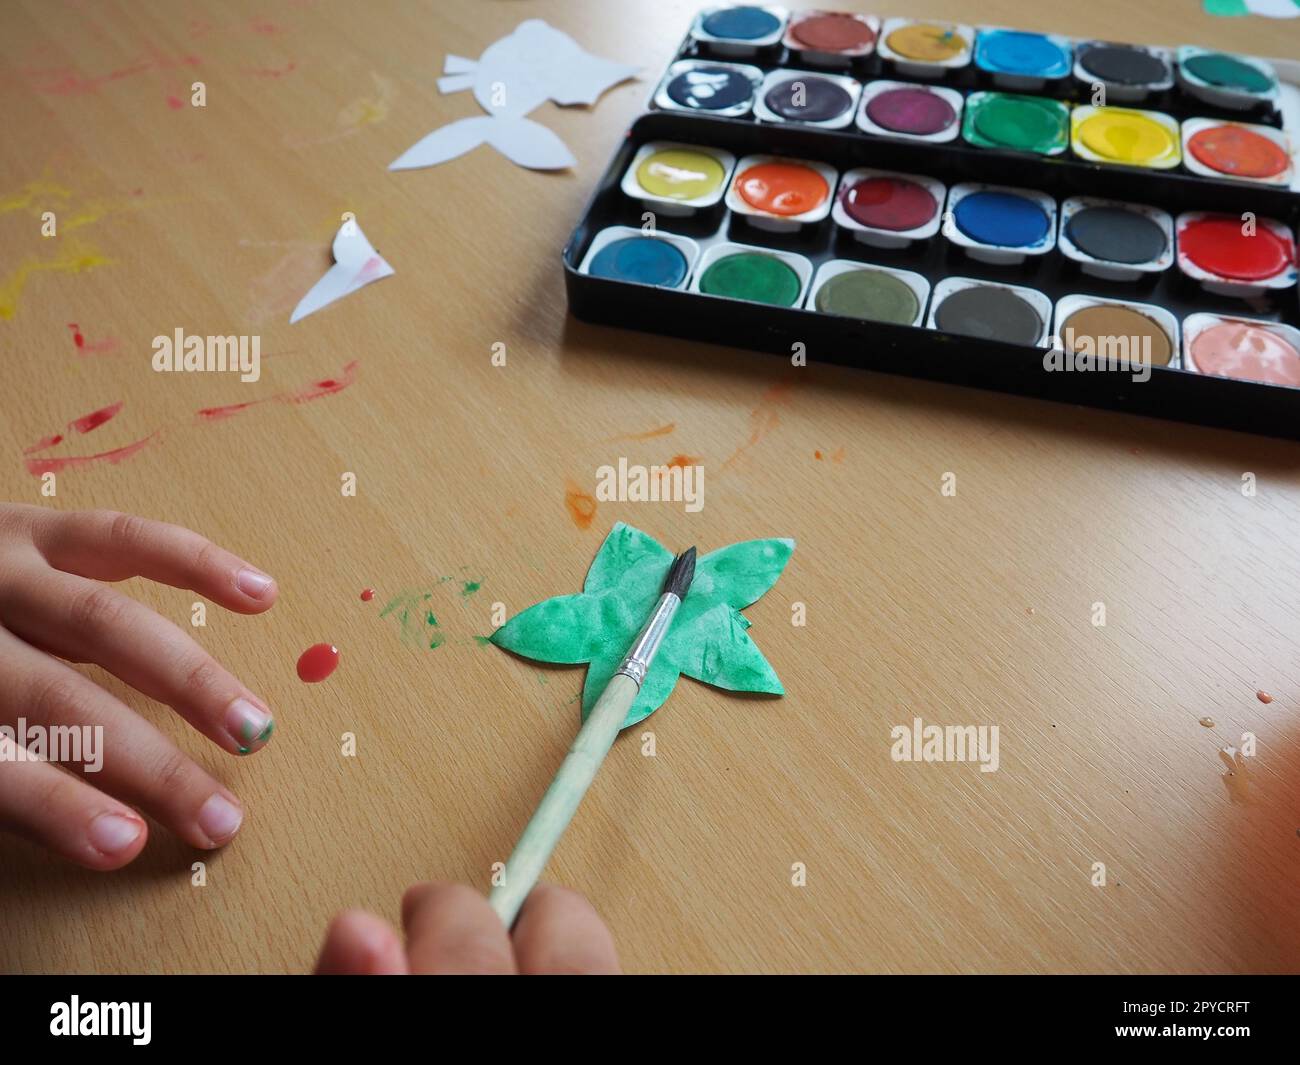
x=646, y=646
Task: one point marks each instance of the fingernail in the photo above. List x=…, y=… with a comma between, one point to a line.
x=113, y=833
x=220, y=818
x=248, y=724
x=253, y=583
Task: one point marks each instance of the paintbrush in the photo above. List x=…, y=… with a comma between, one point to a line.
x=594, y=740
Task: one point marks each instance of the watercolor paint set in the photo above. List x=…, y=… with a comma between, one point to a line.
x=1088, y=222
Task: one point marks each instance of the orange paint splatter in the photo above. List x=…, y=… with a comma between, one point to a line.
x=649, y=434
x=39, y=467
x=582, y=505
x=1264, y=697
x=684, y=460
x=763, y=418
x=817, y=455
x=1237, y=777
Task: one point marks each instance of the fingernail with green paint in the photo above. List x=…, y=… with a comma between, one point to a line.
x=249, y=725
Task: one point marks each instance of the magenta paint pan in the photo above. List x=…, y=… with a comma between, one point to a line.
x=906, y=111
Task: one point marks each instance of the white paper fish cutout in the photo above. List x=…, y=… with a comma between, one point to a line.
x=356, y=264
x=514, y=76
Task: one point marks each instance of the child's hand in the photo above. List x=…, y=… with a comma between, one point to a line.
x=52, y=607
x=450, y=929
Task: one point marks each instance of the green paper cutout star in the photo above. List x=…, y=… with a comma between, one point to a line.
x=707, y=640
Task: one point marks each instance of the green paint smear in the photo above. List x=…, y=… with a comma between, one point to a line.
x=707, y=641
x=1226, y=8
x=1023, y=123
x=417, y=624
x=483, y=641
x=415, y=621
x=752, y=276
x=871, y=294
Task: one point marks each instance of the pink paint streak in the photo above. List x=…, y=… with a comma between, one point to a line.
x=45, y=444
x=95, y=347
x=70, y=81
x=216, y=414
x=39, y=467
x=175, y=103
x=88, y=422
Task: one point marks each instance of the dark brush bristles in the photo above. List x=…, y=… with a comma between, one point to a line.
x=680, y=574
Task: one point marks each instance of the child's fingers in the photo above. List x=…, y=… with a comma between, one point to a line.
x=90, y=622
x=63, y=813
x=137, y=764
x=559, y=932
x=361, y=944
x=108, y=546
x=451, y=930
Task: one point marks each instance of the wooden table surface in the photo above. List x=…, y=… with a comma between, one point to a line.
x=968, y=609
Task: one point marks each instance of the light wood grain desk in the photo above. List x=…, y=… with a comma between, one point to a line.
x=970, y=609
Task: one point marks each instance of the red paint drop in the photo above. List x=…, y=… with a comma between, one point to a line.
x=367, y=595
x=318, y=662
x=174, y=102
x=77, y=338
x=1264, y=697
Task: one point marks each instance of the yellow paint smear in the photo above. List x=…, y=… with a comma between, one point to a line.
x=70, y=260
x=368, y=110
x=71, y=210
x=35, y=196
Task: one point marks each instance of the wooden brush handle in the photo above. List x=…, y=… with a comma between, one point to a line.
x=561, y=800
